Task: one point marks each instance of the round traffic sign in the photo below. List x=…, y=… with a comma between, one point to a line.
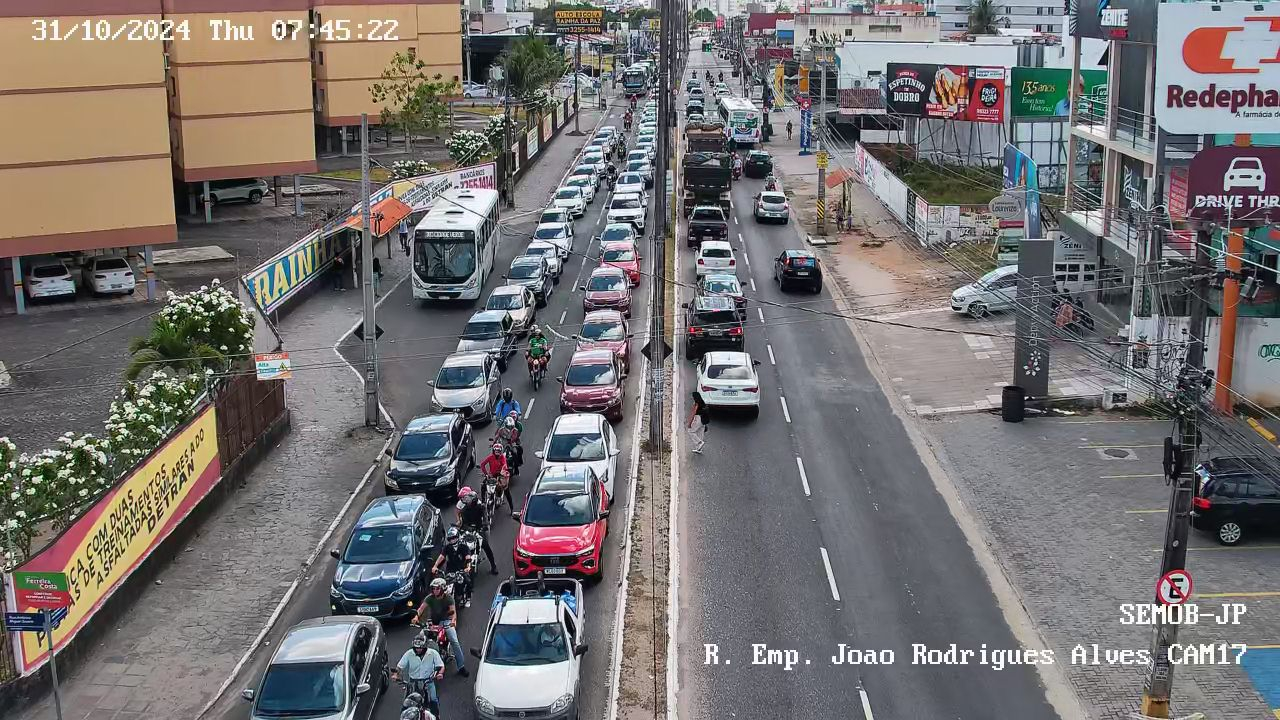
x=1174, y=587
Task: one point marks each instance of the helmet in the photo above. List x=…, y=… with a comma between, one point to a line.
x=438, y=584
x=452, y=534
x=466, y=494
x=535, y=330
x=497, y=448
x=510, y=422
x=412, y=712
x=420, y=641
x=506, y=394
x=513, y=415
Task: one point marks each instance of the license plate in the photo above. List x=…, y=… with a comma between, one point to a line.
x=554, y=570
x=728, y=393
x=367, y=609
x=802, y=273
x=715, y=333
x=116, y=287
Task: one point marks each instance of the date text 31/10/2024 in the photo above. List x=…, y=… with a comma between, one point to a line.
x=990, y=657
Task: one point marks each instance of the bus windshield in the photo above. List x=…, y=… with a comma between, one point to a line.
x=444, y=261
x=743, y=118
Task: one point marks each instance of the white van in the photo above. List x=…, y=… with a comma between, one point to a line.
x=997, y=290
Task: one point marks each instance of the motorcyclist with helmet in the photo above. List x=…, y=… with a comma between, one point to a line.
x=471, y=517
x=454, y=558
x=509, y=436
x=507, y=403
x=495, y=465
x=539, y=349
x=420, y=668
x=438, y=608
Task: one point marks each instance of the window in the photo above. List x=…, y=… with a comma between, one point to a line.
x=1261, y=488
x=320, y=57
x=1040, y=10
x=813, y=33
x=571, y=628
x=848, y=32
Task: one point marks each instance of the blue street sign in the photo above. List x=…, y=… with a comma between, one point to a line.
x=24, y=622
x=804, y=131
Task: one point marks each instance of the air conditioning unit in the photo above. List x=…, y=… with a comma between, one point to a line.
x=1114, y=397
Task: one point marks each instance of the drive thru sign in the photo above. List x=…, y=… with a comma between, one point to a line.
x=1174, y=587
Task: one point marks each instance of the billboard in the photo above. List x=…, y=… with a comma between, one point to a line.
x=946, y=92
x=1233, y=183
x=1021, y=173
x=580, y=22
x=1046, y=92
x=1132, y=20
x=1220, y=73
x=103, y=547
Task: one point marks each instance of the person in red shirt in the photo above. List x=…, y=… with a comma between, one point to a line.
x=495, y=465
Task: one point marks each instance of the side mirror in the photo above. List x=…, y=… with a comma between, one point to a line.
x=362, y=688
x=630, y=335
x=582, y=288
x=247, y=694
x=504, y=277
x=431, y=383
x=560, y=380
x=605, y=513
x=615, y=450
x=684, y=305
x=335, y=554
x=575, y=337
x=580, y=650
x=755, y=363
x=539, y=454
x=389, y=452
x=475, y=653
x=515, y=515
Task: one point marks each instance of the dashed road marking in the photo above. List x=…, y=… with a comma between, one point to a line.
x=563, y=315
x=804, y=478
x=772, y=360
x=786, y=413
x=5, y=378
x=529, y=410
x=1256, y=594
x=760, y=312
x=866, y=704
x=753, y=284
x=831, y=576
x=1144, y=512
x=1129, y=477
x=747, y=259
x=741, y=241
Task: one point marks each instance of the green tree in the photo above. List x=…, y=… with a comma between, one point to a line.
x=175, y=344
x=704, y=15
x=529, y=65
x=410, y=100
x=637, y=17
x=982, y=18
x=783, y=8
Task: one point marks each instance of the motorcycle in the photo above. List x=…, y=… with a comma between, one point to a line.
x=737, y=171
x=626, y=123
x=471, y=539
x=510, y=446
x=461, y=583
x=416, y=703
x=538, y=369
x=489, y=493
x=771, y=183
x=437, y=638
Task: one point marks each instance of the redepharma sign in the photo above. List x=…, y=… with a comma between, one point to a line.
x=946, y=92
x=1046, y=92
x=1218, y=69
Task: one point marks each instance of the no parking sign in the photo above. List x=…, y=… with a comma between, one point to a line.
x=1174, y=587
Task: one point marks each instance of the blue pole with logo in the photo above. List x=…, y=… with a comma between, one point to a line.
x=805, y=117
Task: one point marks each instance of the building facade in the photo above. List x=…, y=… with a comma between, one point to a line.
x=845, y=27
x=1046, y=16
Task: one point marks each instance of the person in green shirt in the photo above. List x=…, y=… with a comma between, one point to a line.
x=539, y=348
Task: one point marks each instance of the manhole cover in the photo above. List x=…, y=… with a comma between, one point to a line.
x=1117, y=454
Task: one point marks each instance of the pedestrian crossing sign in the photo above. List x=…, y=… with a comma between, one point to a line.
x=822, y=160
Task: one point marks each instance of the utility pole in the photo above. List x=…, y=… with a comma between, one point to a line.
x=366, y=277
x=821, y=126
x=466, y=44
x=657, y=315
x=577, y=96
x=508, y=184
x=1180, y=473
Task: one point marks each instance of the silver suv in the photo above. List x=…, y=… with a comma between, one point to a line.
x=247, y=189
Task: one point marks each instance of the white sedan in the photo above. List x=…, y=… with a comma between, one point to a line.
x=630, y=182
x=571, y=199
x=728, y=379
x=715, y=256
x=587, y=184
x=551, y=252
x=558, y=234
x=109, y=274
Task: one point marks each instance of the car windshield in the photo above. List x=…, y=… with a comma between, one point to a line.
x=505, y=301
x=301, y=689
x=112, y=264
x=616, y=233
x=547, y=251
x=994, y=275
x=607, y=282
x=558, y=510
x=619, y=256
x=595, y=374
x=594, y=158
x=716, y=252
x=369, y=546
x=630, y=179
x=423, y=446
x=707, y=214
x=637, y=165
x=459, y=377
x=540, y=644
x=638, y=155
x=728, y=372
x=548, y=233
x=602, y=331
x=568, y=194
x=482, y=330
x=554, y=217
x=625, y=203
x=759, y=156
x=721, y=287
x=716, y=317
x=585, y=170
x=523, y=271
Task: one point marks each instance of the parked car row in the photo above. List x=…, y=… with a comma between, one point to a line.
x=50, y=278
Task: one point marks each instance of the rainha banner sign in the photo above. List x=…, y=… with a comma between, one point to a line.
x=580, y=22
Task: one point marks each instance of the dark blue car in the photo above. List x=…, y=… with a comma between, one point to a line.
x=386, y=565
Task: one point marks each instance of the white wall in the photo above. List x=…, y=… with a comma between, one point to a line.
x=1254, y=376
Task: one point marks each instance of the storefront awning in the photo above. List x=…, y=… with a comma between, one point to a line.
x=387, y=214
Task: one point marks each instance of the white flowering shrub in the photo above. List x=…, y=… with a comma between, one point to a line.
x=495, y=132
x=466, y=146
x=215, y=316
x=402, y=169
x=144, y=414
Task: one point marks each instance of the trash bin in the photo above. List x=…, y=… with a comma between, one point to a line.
x=1013, y=403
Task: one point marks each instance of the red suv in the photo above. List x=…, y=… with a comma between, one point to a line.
x=607, y=287
x=607, y=330
x=624, y=256
x=593, y=383
x=562, y=525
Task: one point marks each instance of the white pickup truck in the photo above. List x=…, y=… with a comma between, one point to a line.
x=532, y=655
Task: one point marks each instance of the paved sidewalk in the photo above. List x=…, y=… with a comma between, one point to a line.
x=884, y=272
x=187, y=632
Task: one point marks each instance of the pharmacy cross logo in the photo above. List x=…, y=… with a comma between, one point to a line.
x=1204, y=47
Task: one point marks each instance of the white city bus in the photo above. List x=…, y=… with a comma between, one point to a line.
x=741, y=120
x=455, y=244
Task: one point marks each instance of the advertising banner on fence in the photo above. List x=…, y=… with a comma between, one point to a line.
x=280, y=278
x=1046, y=92
x=946, y=92
x=531, y=142
x=547, y=128
x=108, y=542
x=1233, y=183
x=1219, y=73
x=580, y=22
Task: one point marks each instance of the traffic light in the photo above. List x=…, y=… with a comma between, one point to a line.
x=706, y=47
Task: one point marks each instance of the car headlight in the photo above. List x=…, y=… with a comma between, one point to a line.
x=392, y=482
x=585, y=551
x=335, y=593
x=444, y=479
x=561, y=703
x=404, y=590
x=479, y=403
x=436, y=405
x=473, y=282
x=483, y=705
x=522, y=553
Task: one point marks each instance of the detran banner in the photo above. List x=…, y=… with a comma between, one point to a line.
x=1046, y=92
x=108, y=542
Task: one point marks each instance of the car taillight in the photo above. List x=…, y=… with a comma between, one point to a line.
x=695, y=330
x=751, y=389
x=735, y=331
x=701, y=261
x=1199, y=503
x=732, y=262
x=706, y=388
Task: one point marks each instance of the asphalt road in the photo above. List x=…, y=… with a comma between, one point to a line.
x=415, y=343
x=780, y=514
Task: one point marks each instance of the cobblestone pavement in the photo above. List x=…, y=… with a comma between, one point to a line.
x=186, y=633
x=1075, y=508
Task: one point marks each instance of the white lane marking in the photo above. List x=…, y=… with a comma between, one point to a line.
x=529, y=410
x=760, y=312
x=753, y=284
x=5, y=378
x=786, y=414
x=804, y=478
x=835, y=594
x=563, y=314
x=866, y=702
x=747, y=259
x=772, y=359
x=740, y=240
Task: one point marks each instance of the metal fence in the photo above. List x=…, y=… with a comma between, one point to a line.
x=8, y=670
x=246, y=408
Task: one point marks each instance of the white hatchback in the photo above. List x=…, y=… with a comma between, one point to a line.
x=558, y=234
x=582, y=439
x=572, y=199
x=109, y=275
x=716, y=256
x=48, y=278
x=728, y=379
x=587, y=184
x=551, y=252
x=630, y=183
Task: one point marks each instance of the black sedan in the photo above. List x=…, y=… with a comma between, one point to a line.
x=432, y=457
x=798, y=267
x=759, y=164
x=386, y=564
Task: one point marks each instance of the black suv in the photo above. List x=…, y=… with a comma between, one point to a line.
x=797, y=267
x=431, y=457
x=712, y=323
x=1235, y=497
x=759, y=164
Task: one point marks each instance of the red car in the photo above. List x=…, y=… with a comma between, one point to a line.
x=608, y=287
x=593, y=384
x=607, y=330
x=622, y=255
x=563, y=524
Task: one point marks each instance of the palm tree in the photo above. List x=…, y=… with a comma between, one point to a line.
x=173, y=346
x=529, y=65
x=982, y=18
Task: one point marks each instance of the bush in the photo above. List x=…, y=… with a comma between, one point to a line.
x=402, y=169
x=466, y=146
